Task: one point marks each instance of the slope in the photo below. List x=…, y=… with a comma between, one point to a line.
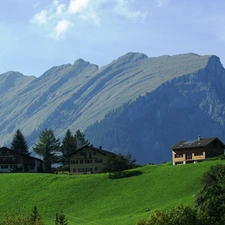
x=96, y=199
x=179, y=109
x=75, y=96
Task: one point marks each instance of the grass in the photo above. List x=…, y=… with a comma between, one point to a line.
x=96, y=199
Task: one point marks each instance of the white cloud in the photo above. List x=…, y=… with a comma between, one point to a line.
x=60, y=8
x=162, y=2
x=122, y=8
x=40, y=17
x=62, y=27
x=59, y=16
x=92, y=16
x=76, y=6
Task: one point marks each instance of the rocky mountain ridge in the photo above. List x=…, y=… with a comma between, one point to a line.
x=75, y=96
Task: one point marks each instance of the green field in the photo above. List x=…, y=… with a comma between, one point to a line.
x=96, y=199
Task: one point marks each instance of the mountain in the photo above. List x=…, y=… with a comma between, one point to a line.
x=135, y=103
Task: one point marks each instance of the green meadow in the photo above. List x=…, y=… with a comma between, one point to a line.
x=98, y=199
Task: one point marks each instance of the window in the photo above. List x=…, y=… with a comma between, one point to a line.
x=91, y=154
x=82, y=153
x=96, y=168
x=178, y=155
x=81, y=170
x=74, y=170
x=81, y=161
x=99, y=161
x=74, y=161
x=188, y=156
x=88, y=161
x=198, y=153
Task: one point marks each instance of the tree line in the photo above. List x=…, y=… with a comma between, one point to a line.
x=49, y=147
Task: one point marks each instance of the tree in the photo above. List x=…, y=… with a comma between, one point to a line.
x=22, y=218
x=80, y=139
x=117, y=163
x=69, y=145
x=48, y=147
x=180, y=215
x=35, y=218
x=34, y=215
x=210, y=199
x=19, y=143
x=60, y=219
x=183, y=215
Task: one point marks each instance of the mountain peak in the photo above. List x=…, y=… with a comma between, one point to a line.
x=80, y=63
x=133, y=57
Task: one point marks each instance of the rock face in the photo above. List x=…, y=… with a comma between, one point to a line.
x=142, y=105
x=181, y=108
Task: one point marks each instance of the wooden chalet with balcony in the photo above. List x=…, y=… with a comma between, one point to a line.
x=14, y=161
x=88, y=159
x=191, y=151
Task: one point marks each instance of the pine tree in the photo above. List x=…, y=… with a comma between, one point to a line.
x=60, y=219
x=69, y=145
x=48, y=146
x=19, y=143
x=80, y=139
x=35, y=218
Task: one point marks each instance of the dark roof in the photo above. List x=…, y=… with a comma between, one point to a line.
x=8, y=149
x=104, y=152
x=195, y=143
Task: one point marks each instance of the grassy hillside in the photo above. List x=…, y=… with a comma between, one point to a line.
x=96, y=199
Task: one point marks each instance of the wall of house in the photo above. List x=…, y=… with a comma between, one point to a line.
x=188, y=155
x=214, y=149
x=11, y=160
x=86, y=161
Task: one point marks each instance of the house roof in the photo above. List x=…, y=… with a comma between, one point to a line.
x=8, y=149
x=195, y=143
x=104, y=152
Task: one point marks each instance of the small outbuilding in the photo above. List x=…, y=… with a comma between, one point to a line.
x=191, y=151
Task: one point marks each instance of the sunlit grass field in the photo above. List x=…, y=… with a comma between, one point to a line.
x=98, y=199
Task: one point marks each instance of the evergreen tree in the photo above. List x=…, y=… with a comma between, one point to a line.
x=60, y=219
x=48, y=147
x=69, y=145
x=35, y=218
x=80, y=139
x=19, y=143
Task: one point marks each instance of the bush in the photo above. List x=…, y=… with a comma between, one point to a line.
x=210, y=199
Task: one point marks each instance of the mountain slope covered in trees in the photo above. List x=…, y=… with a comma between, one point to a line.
x=182, y=108
x=141, y=104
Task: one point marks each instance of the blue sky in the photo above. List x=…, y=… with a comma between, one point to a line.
x=38, y=34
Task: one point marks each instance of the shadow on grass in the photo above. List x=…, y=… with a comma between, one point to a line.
x=122, y=174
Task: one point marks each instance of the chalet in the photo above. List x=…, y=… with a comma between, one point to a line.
x=11, y=160
x=88, y=159
x=191, y=151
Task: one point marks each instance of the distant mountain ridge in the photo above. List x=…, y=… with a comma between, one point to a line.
x=131, y=88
